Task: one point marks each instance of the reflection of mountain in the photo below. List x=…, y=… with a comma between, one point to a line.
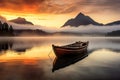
x=81, y=19
x=20, y=20
x=67, y=60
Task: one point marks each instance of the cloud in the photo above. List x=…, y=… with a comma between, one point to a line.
x=41, y=6
x=24, y=26
x=59, y=6
x=91, y=29
x=21, y=5
x=104, y=5
x=2, y=19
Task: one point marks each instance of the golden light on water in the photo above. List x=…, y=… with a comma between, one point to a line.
x=36, y=53
x=41, y=53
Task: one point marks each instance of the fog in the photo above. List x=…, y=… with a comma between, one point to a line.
x=92, y=29
x=24, y=26
x=80, y=29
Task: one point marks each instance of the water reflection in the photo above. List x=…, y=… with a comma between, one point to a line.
x=102, y=64
x=21, y=44
x=65, y=61
x=39, y=52
x=18, y=44
x=34, y=63
x=9, y=45
x=6, y=45
x=19, y=70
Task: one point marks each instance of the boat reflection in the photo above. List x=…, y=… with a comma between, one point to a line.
x=67, y=60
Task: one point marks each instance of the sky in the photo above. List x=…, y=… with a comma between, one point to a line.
x=54, y=13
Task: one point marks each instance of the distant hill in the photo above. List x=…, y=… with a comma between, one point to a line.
x=81, y=19
x=7, y=30
x=114, y=33
x=20, y=20
x=113, y=23
x=29, y=32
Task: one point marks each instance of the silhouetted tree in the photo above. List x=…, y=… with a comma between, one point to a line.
x=11, y=29
x=1, y=26
x=6, y=30
x=5, y=27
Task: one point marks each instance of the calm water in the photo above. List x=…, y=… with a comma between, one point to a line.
x=32, y=59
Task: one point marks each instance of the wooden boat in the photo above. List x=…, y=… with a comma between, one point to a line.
x=75, y=48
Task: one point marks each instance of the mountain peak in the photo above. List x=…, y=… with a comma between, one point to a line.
x=81, y=19
x=21, y=20
x=80, y=15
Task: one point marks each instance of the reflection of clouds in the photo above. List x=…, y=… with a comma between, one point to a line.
x=104, y=55
x=40, y=47
x=18, y=70
x=99, y=63
x=104, y=43
x=33, y=53
x=32, y=73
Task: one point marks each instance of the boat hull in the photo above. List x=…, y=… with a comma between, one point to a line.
x=59, y=51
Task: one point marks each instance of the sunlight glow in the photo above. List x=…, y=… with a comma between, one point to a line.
x=49, y=20
x=30, y=54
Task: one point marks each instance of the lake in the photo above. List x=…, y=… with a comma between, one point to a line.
x=31, y=58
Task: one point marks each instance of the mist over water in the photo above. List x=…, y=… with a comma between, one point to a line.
x=27, y=59
x=80, y=29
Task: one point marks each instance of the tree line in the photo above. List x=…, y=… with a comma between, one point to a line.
x=6, y=29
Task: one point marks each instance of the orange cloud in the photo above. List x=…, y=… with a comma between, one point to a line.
x=39, y=6
x=20, y=5
x=58, y=6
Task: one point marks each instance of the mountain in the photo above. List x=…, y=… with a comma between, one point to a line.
x=114, y=33
x=20, y=20
x=113, y=23
x=81, y=19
